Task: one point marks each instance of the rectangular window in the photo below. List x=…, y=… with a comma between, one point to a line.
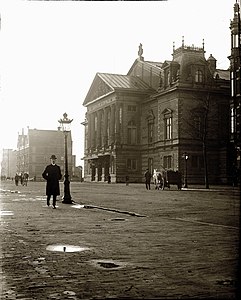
x=150, y=132
x=131, y=164
x=199, y=76
x=168, y=128
x=237, y=83
x=150, y=165
x=232, y=84
x=232, y=120
x=132, y=138
x=194, y=161
x=167, y=161
x=131, y=108
x=198, y=126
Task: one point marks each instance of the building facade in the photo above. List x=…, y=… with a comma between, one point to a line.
x=35, y=148
x=154, y=115
x=8, y=164
x=235, y=75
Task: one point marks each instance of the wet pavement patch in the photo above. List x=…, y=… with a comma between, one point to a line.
x=114, y=210
x=118, y=219
x=9, y=191
x=227, y=282
x=78, y=206
x=6, y=213
x=66, y=248
x=108, y=264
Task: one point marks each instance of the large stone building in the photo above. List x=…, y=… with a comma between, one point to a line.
x=35, y=148
x=235, y=75
x=155, y=114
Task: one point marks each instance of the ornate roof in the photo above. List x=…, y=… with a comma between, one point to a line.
x=105, y=83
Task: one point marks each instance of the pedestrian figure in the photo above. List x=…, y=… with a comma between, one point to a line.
x=21, y=178
x=52, y=174
x=148, y=179
x=127, y=180
x=109, y=178
x=25, y=178
x=234, y=176
x=16, y=179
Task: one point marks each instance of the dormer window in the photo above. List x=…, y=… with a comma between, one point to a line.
x=199, y=76
x=167, y=78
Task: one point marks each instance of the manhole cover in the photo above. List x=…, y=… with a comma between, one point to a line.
x=66, y=248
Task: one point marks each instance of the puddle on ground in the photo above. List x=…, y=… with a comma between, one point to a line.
x=9, y=191
x=6, y=213
x=78, y=206
x=227, y=282
x=66, y=248
x=108, y=264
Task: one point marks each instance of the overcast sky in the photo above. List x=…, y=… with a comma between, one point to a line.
x=50, y=52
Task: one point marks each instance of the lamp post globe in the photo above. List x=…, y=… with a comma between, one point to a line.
x=65, y=123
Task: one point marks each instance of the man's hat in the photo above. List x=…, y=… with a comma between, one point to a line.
x=53, y=157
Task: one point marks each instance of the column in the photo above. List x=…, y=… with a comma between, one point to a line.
x=103, y=174
x=92, y=122
x=112, y=124
x=88, y=133
x=96, y=173
x=104, y=135
x=117, y=122
x=98, y=139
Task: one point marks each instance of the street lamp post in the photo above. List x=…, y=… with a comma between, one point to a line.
x=65, y=125
x=185, y=156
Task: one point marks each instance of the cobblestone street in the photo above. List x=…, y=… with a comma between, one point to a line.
x=119, y=241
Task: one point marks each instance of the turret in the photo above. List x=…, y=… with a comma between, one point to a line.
x=212, y=63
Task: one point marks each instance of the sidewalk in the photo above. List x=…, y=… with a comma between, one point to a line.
x=117, y=242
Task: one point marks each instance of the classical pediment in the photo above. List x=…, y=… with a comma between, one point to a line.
x=97, y=89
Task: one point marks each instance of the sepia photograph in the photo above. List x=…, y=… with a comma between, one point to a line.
x=120, y=149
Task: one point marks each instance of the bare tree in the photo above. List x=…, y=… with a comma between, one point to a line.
x=198, y=125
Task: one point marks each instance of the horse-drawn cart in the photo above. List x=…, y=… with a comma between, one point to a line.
x=166, y=178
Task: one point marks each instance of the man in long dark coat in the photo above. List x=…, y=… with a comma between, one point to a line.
x=52, y=174
x=148, y=177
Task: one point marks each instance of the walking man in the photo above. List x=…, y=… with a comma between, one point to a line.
x=52, y=174
x=148, y=179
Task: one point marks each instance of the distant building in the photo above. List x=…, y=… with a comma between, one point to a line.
x=8, y=163
x=78, y=175
x=35, y=148
x=153, y=115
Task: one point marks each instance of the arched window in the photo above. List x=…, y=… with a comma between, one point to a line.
x=131, y=133
x=199, y=76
